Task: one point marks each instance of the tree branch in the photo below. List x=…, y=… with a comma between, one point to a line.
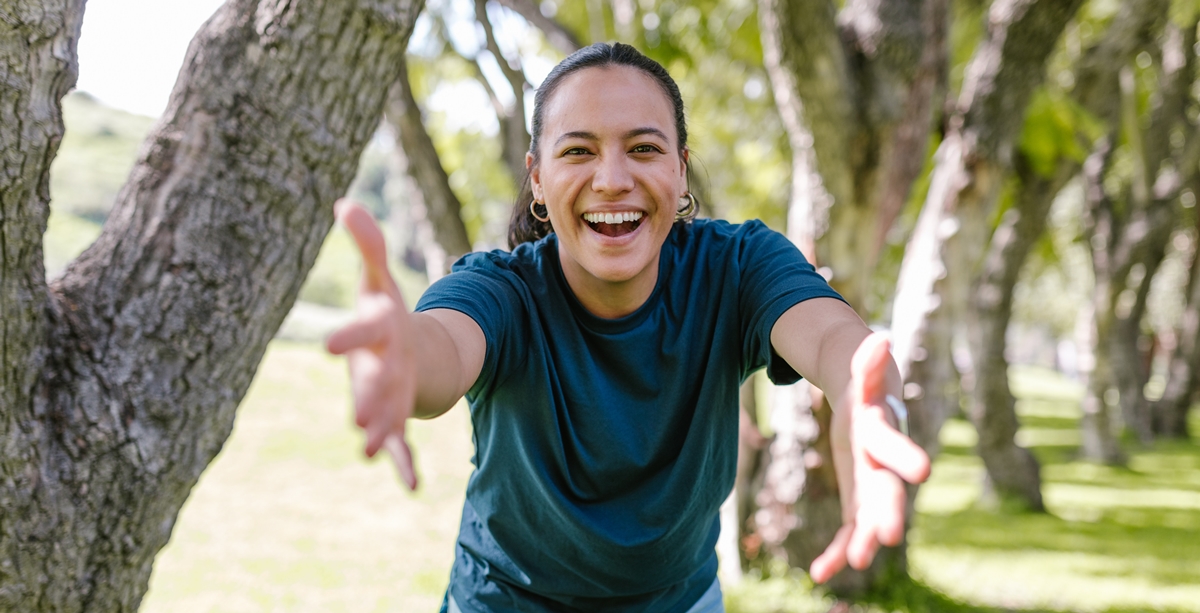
x=441, y=206
x=559, y=36
x=153, y=335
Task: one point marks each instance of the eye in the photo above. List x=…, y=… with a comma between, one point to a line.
x=646, y=149
x=575, y=151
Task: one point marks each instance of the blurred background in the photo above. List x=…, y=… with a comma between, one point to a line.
x=1013, y=196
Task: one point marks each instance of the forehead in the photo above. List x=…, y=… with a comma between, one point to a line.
x=608, y=100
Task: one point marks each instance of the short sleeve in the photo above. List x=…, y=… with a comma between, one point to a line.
x=775, y=276
x=482, y=287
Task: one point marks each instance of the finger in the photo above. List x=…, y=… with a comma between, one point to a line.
x=868, y=368
x=371, y=245
x=887, y=506
x=864, y=542
x=371, y=387
x=362, y=333
x=377, y=430
x=890, y=449
x=833, y=559
x=402, y=458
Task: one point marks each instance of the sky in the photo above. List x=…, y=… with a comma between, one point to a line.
x=130, y=51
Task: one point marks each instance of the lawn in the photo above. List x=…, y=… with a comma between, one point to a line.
x=291, y=517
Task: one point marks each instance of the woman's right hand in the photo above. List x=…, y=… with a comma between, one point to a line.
x=379, y=346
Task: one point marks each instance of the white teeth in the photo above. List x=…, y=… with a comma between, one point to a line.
x=612, y=218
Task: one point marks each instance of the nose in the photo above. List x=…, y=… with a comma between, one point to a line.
x=613, y=175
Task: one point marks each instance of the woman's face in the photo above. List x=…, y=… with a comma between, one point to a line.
x=611, y=173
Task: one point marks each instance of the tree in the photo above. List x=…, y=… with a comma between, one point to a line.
x=1128, y=219
x=121, y=378
x=856, y=92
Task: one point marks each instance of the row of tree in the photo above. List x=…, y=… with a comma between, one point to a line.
x=924, y=143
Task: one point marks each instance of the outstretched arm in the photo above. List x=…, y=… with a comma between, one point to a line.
x=824, y=340
x=402, y=364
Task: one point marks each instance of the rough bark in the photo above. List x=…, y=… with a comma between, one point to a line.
x=855, y=91
x=122, y=378
x=37, y=51
x=432, y=205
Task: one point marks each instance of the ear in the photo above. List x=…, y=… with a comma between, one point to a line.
x=535, y=176
x=683, y=161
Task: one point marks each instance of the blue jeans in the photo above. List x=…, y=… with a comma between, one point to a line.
x=711, y=602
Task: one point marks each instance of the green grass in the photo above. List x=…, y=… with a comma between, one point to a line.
x=291, y=517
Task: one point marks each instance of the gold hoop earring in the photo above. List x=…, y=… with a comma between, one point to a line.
x=689, y=209
x=533, y=211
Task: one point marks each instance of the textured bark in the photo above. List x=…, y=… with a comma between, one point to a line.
x=855, y=91
x=121, y=379
x=432, y=205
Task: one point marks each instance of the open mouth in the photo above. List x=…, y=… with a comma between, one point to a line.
x=614, y=224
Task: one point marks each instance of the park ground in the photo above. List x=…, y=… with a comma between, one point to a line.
x=292, y=517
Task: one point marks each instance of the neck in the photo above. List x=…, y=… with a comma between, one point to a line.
x=611, y=299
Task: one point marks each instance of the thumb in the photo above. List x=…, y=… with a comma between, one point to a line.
x=371, y=245
x=868, y=368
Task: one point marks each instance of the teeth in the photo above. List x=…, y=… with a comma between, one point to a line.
x=612, y=218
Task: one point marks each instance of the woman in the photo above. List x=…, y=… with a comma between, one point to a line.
x=602, y=358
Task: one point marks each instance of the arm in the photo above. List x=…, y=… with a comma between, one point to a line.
x=824, y=340
x=402, y=365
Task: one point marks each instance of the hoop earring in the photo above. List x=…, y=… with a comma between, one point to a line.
x=533, y=211
x=688, y=209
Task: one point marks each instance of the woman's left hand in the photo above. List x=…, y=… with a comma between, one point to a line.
x=872, y=460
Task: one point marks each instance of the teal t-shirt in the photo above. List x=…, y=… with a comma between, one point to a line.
x=604, y=447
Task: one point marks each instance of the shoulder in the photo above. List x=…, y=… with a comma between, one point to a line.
x=717, y=238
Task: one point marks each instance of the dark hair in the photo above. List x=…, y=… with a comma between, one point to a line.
x=523, y=227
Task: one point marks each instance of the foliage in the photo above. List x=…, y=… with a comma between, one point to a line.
x=1056, y=128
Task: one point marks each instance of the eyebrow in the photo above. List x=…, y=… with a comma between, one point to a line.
x=634, y=133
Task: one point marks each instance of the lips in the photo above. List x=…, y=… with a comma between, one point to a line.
x=614, y=224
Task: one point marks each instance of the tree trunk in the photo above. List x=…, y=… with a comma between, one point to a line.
x=1183, y=373
x=514, y=138
x=1012, y=471
x=855, y=155
x=440, y=233
x=1129, y=238
x=952, y=232
x=1099, y=443
x=1014, y=478
x=856, y=93
x=121, y=380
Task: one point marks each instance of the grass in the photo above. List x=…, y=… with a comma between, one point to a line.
x=291, y=517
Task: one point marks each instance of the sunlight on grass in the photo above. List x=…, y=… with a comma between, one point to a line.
x=291, y=517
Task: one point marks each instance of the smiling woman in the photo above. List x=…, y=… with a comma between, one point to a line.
x=601, y=360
